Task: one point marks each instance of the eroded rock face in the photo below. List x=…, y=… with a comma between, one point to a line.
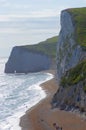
x=23, y=61
x=69, y=53
x=70, y=98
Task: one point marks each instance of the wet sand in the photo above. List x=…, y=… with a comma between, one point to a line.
x=42, y=116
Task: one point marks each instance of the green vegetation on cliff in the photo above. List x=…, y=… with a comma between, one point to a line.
x=47, y=47
x=71, y=62
x=75, y=75
x=79, y=18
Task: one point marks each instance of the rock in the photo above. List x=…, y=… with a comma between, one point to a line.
x=33, y=58
x=23, y=61
x=71, y=59
x=69, y=53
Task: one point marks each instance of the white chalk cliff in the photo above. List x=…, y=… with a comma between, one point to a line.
x=22, y=60
x=69, y=57
x=69, y=53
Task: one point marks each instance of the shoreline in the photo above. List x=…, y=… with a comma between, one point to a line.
x=42, y=116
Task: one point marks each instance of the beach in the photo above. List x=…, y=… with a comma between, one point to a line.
x=42, y=116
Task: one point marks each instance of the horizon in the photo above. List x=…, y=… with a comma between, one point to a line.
x=25, y=23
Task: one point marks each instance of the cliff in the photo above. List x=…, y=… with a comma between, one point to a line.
x=32, y=58
x=71, y=61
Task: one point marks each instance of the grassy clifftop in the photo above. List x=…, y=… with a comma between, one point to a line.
x=78, y=73
x=79, y=18
x=47, y=47
x=71, y=94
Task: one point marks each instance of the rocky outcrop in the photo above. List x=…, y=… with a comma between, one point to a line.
x=70, y=61
x=33, y=58
x=23, y=61
x=69, y=53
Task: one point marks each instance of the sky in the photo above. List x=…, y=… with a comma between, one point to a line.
x=24, y=22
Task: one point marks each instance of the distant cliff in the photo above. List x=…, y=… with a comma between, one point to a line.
x=71, y=61
x=32, y=58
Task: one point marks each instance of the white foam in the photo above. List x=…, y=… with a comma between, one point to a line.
x=12, y=122
x=34, y=102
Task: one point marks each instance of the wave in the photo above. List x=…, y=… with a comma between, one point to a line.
x=18, y=93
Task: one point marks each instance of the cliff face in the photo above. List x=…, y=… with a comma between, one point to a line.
x=23, y=61
x=71, y=62
x=69, y=53
x=32, y=58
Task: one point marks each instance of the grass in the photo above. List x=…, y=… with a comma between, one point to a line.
x=84, y=87
x=78, y=73
x=79, y=18
x=75, y=75
x=47, y=47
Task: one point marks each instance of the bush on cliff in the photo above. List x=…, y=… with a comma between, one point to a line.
x=79, y=17
x=75, y=75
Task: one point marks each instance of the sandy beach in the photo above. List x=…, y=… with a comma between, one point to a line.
x=42, y=116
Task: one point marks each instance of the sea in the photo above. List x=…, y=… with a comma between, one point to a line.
x=18, y=93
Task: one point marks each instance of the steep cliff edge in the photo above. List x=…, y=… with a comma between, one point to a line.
x=32, y=58
x=71, y=61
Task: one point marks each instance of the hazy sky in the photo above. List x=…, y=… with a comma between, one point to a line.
x=30, y=21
